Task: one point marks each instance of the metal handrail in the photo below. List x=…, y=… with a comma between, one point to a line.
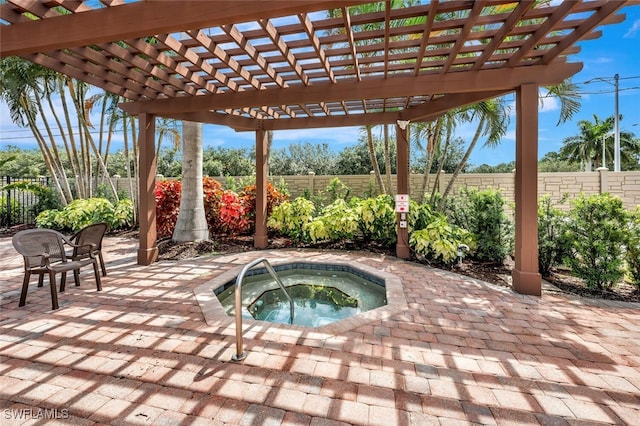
x=240, y=353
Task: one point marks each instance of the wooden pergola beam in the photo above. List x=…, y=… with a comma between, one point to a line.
x=140, y=19
x=475, y=81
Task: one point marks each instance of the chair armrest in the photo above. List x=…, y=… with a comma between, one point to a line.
x=68, y=241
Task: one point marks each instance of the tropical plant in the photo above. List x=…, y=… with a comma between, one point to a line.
x=191, y=224
x=377, y=219
x=9, y=211
x=83, y=212
x=493, y=119
x=597, y=231
x=586, y=147
x=439, y=240
x=633, y=247
x=275, y=197
x=482, y=213
x=553, y=245
x=167, y=195
x=337, y=221
x=291, y=217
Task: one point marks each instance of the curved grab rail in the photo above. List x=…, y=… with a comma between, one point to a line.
x=240, y=353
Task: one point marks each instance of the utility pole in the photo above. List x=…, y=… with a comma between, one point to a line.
x=616, y=142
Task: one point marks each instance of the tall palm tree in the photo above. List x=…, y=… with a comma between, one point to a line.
x=493, y=119
x=20, y=90
x=586, y=147
x=191, y=224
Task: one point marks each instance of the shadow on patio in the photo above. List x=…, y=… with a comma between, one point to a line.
x=140, y=352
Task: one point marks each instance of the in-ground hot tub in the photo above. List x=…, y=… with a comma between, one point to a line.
x=222, y=318
x=321, y=293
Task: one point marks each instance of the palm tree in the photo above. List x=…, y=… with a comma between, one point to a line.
x=493, y=120
x=586, y=147
x=368, y=131
x=191, y=224
x=19, y=88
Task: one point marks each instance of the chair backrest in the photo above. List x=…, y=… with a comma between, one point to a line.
x=32, y=243
x=91, y=234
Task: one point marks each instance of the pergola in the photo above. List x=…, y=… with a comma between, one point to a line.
x=259, y=65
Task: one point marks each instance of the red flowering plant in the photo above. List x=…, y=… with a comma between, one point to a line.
x=167, y=206
x=275, y=197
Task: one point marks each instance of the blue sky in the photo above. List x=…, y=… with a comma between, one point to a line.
x=615, y=52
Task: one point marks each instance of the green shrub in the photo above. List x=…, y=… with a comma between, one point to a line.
x=633, y=247
x=82, y=212
x=482, y=213
x=337, y=221
x=440, y=240
x=432, y=236
x=420, y=215
x=290, y=218
x=337, y=190
x=377, y=219
x=597, y=232
x=553, y=245
x=9, y=214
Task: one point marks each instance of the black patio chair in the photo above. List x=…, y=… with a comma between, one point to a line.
x=88, y=242
x=43, y=253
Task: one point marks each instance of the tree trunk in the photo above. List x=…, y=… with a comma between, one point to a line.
x=387, y=158
x=192, y=223
x=441, y=161
x=462, y=163
x=374, y=161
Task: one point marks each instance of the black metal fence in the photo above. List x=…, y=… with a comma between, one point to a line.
x=17, y=206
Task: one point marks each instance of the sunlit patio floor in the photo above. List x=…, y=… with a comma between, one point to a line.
x=463, y=352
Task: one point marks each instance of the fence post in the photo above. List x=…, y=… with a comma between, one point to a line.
x=9, y=211
x=311, y=182
x=604, y=181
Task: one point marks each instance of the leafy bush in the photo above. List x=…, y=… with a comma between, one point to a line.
x=597, y=232
x=227, y=214
x=440, y=240
x=82, y=212
x=9, y=214
x=275, y=197
x=482, y=213
x=291, y=217
x=420, y=215
x=377, y=219
x=633, y=247
x=337, y=221
x=553, y=245
x=432, y=236
x=337, y=190
x=167, y=206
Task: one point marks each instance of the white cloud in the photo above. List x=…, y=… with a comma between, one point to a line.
x=635, y=27
x=548, y=104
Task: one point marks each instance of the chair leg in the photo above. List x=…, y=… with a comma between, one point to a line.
x=25, y=285
x=54, y=295
x=41, y=280
x=76, y=277
x=97, y=274
x=104, y=269
x=63, y=283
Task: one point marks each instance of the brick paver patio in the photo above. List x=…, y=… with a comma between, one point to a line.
x=464, y=352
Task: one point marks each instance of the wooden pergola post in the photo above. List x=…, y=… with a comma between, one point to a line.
x=260, y=239
x=526, y=278
x=148, y=249
x=402, y=161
